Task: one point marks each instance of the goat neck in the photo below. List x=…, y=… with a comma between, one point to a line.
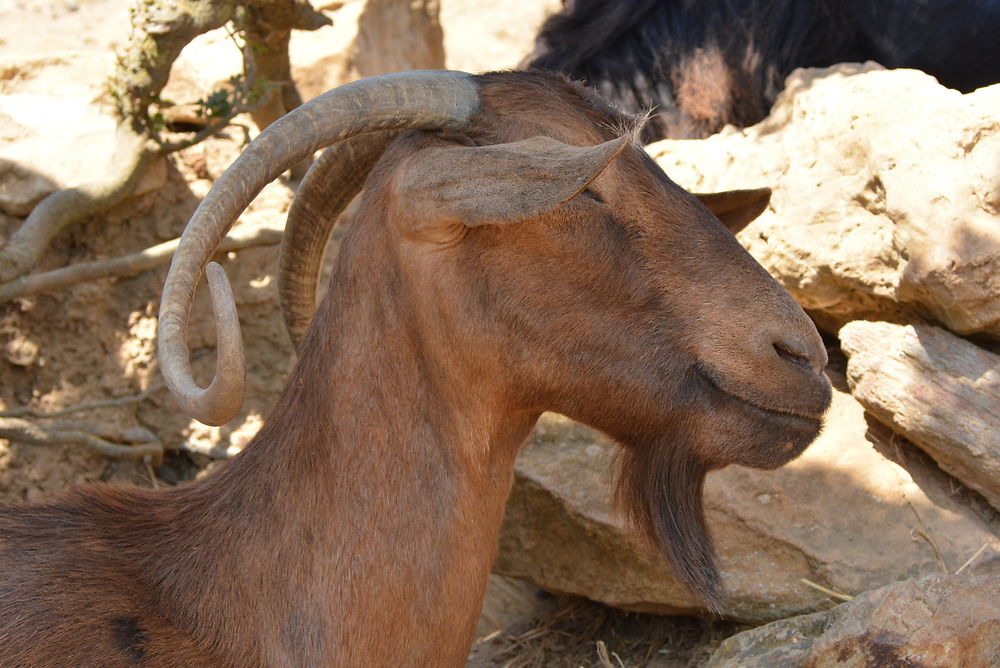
x=319, y=478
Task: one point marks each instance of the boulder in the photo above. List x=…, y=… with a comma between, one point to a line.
x=878, y=212
x=842, y=516
x=57, y=127
x=43, y=26
x=936, y=622
x=936, y=389
x=483, y=36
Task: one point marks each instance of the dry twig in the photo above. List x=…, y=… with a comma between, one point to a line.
x=136, y=443
x=132, y=443
x=127, y=265
x=605, y=657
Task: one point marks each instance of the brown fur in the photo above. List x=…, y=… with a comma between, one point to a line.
x=359, y=526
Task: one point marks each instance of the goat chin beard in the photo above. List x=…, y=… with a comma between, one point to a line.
x=659, y=488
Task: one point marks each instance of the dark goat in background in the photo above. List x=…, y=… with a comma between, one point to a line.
x=704, y=64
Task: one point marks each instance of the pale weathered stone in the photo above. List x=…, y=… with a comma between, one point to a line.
x=21, y=351
x=842, y=516
x=936, y=389
x=936, y=622
x=56, y=127
x=483, y=36
x=887, y=195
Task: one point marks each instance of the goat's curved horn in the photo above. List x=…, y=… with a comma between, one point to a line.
x=414, y=100
x=332, y=181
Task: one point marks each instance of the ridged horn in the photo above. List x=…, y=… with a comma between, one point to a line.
x=332, y=181
x=425, y=100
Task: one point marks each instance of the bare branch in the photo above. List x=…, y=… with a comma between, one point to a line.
x=160, y=31
x=127, y=265
x=128, y=444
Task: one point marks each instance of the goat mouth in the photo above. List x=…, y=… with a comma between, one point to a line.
x=712, y=379
x=753, y=434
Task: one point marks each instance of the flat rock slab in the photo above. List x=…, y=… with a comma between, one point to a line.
x=842, y=516
x=937, y=622
x=57, y=127
x=936, y=389
x=886, y=195
x=54, y=130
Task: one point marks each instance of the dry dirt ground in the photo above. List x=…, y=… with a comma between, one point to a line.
x=95, y=342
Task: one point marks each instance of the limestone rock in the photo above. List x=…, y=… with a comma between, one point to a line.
x=936, y=622
x=887, y=195
x=54, y=130
x=367, y=37
x=934, y=388
x=841, y=515
x=57, y=127
x=484, y=36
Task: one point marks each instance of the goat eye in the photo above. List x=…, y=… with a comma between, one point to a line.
x=587, y=192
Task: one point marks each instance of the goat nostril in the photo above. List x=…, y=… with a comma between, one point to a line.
x=793, y=356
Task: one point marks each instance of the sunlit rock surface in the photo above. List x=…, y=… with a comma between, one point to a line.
x=57, y=127
x=937, y=622
x=936, y=389
x=886, y=195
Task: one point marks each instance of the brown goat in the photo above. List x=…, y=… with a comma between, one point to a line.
x=513, y=256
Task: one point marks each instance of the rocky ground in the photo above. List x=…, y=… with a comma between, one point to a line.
x=892, y=221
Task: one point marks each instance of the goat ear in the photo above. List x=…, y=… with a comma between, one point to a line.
x=441, y=189
x=736, y=208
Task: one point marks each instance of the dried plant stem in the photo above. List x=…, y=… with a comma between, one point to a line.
x=930, y=541
x=937, y=552
x=605, y=656
x=829, y=592
x=974, y=557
